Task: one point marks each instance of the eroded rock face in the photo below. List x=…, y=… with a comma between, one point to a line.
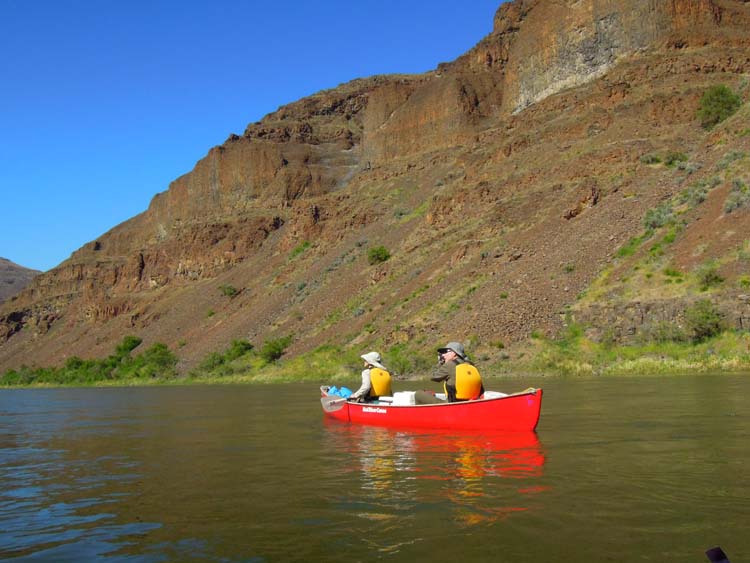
x=13, y=278
x=626, y=322
x=475, y=170
x=546, y=47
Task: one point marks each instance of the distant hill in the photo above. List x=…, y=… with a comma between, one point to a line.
x=13, y=278
x=557, y=172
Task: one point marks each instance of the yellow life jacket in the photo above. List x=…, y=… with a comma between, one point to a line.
x=468, y=382
x=380, y=383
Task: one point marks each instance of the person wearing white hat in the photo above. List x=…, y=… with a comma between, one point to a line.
x=376, y=381
x=461, y=380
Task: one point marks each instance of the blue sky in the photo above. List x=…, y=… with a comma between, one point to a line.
x=103, y=103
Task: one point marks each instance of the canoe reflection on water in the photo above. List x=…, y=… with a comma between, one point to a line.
x=486, y=476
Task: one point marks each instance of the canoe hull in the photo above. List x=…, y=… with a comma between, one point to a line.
x=517, y=412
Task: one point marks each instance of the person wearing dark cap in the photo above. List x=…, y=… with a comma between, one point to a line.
x=376, y=381
x=461, y=379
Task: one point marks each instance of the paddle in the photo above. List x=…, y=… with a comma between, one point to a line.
x=332, y=404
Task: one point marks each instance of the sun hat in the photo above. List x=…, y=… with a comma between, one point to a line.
x=457, y=347
x=373, y=358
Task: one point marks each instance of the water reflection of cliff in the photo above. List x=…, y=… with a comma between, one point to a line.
x=484, y=476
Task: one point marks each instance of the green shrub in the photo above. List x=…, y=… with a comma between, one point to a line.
x=704, y=320
x=156, y=361
x=674, y=158
x=657, y=217
x=221, y=364
x=650, y=159
x=128, y=344
x=729, y=158
x=228, y=290
x=299, y=249
x=717, y=104
x=211, y=362
x=74, y=363
x=655, y=251
x=738, y=197
x=377, y=254
x=689, y=167
x=272, y=350
x=631, y=246
x=237, y=349
x=694, y=195
x=24, y=376
x=671, y=235
x=708, y=276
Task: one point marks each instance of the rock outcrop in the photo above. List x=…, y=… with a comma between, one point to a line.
x=13, y=278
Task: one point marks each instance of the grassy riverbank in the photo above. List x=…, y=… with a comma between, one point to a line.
x=240, y=363
x=158, y=365
x=578, y=356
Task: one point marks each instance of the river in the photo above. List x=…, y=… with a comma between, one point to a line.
x=620, y=469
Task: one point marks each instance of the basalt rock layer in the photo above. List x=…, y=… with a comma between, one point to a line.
x=503, y=185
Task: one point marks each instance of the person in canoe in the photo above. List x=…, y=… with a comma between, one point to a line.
x=461, y=379
x=376, y=380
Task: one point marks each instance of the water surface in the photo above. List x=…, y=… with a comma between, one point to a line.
x=620, y=469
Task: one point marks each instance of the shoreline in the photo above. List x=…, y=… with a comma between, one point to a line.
x=624, y=369
x=240, y=364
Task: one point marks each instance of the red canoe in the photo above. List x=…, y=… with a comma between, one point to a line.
x=516, y=412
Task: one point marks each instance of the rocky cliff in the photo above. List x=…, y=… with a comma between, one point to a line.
x=503, y=184
x=13, y=278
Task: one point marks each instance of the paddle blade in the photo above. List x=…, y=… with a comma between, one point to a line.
x=332, y=404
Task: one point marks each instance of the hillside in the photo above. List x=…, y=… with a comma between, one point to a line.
x=504, y=185
x=13, y=278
